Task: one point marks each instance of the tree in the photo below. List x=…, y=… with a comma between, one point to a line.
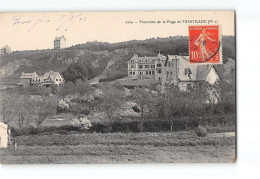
x=6, y=108
x=71, y=88
x=112, y=99
x=63, y=90
x=82, y=87
x=146, y=102
x=22, y=107
x=76, y=71
x=37, y=90
x=175, y=103
x=44, y=106
x=171, y=103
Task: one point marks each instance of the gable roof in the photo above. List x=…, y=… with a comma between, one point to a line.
x=29, y=75
x=136, y=58
x=52, y=75
x=198, y=72
x=203, y=71
x=58, y=38
x=6, y=47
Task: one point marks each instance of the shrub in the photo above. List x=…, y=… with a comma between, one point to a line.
x=201, y=131
x=84, y=111
x=81, y=121
x=62, y=106
x=112, y=78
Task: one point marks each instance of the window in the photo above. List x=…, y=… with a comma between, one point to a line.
x=133, y=73
x=159, y=78
x=152, y=72
x=140, y=73
x=147, y=72
x=152, y=66
x=130, y=73
x=132, y=66
x=60, y=79
x=159, y=65
x=57, y=80
x=146, y=66
x=187, y=71
x=140, y=66
x=159, y=71
x=188, y=86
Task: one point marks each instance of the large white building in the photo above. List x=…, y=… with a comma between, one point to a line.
x=171, y=69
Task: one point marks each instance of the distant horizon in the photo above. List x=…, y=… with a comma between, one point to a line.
x=102, y=42
x=37, y=30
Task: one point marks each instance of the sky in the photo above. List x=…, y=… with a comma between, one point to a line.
x=37, y=30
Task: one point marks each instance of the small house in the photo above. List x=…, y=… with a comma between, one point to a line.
x=47, y=79
x=51, y=78
x=5, y=49
x=59, y=42
x=26, y=79
x=3, y=135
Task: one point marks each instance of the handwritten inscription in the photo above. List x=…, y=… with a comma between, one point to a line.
x=63, y=24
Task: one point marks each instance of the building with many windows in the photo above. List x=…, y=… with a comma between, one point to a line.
x=171, y=69
x=146, y=67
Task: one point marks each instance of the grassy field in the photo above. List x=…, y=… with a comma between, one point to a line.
x=121, y=148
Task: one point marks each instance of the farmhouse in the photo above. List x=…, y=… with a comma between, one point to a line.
x=173, y=69
x=5, y=49
x=3, y=135
x=47, y=79
x=179, y=71
x=26, y=78
x=59, y=42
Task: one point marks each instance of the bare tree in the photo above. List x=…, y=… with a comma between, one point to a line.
x=22, y=108
x=44, y=106
x=6, y=108
x=82, y=87
x=145, y=100
x=113, y=98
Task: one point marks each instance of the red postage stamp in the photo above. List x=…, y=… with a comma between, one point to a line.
x=205, y=44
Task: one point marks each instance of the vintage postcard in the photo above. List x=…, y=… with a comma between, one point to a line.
x=117, y=87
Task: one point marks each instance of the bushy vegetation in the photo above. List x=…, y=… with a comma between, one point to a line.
x=214, y=124
x=201, y=131
x=24, y=109
x=155, y=139
x=112, y=78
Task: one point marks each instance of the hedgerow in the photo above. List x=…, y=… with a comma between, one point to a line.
x=156, y=139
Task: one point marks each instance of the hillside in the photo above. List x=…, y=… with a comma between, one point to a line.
x=100, y=58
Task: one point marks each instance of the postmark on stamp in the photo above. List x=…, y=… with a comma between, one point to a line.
x=205, y=44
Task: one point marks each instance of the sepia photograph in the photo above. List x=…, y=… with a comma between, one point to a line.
x=118, y=87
